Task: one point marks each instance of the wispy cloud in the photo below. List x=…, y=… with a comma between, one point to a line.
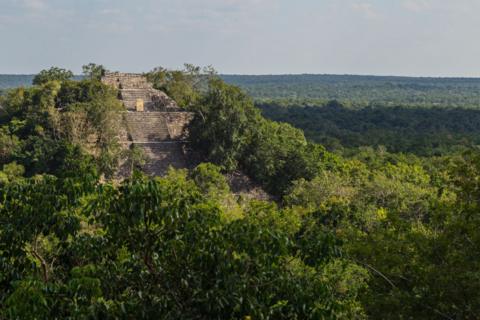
x=219, y=16
x=416, y=6
x=367, y=10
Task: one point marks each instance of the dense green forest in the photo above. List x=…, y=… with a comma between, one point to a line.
x=365, y=234
x=422, y=131
x=360, y=91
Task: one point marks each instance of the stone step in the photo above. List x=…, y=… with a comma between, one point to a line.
x=147, y=126
x=152, y=99
x=147, y=115
x=146, y=96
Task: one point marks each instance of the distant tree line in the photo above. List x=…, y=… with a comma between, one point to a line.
x=422, y=131
x=361, y=91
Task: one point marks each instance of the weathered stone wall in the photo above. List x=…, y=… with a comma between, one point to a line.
x=157, y=126
x=134, y=87
x=177, y=123
x=126, y=81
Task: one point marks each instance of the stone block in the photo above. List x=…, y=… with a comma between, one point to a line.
x=139, y=107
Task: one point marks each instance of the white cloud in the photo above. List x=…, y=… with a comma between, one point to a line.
x=416, y=6
x=219, y=16
x=367, y=9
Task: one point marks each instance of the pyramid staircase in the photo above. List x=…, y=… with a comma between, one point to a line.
x=153, y=122
x=149, y=131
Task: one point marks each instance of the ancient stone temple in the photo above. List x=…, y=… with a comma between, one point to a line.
x=135, y=90
x=153, y=122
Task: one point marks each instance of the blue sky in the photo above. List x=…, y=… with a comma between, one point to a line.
x=385, y=37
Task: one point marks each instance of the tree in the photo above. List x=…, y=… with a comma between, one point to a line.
x=222, y=126
x=184, y=86
x=209, y=179
x=190, y=263
x=54, y=73
x=9, y=144
x=11, y=172
x=94, y=71
x=134, y=157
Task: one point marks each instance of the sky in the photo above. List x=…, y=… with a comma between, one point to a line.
x=374, y=37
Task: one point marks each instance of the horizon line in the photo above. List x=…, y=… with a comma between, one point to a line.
x=298, y=74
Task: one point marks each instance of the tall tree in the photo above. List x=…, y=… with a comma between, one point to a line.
x=54, y=73
x=94, y=71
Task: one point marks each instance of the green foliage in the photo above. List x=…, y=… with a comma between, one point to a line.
x=229, y=130
x=94, y=71
x=9, y=144
x=40, y=123
x=422, y=131
x=134, y=157
x=183, y=86
x=393, y=220
x=278, y=154
x=75, y=163
x=52, y=74
x=209, y=179
x=13, y=102
x=28, y=301
x=361, y=91
x=222, y=125
x=11, y=172
x=366, y=234
x=161, y=248
x=213, y=185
